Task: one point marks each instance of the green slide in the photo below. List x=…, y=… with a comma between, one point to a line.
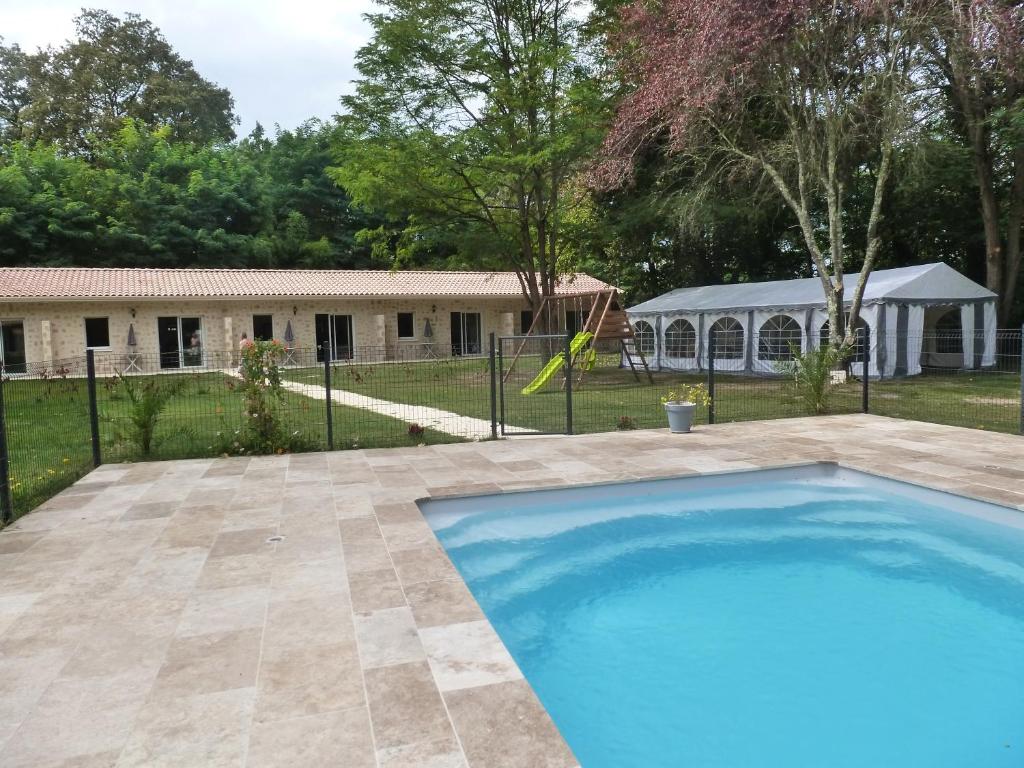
x=556, y=363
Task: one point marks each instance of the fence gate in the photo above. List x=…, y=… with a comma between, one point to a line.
x=534, y=385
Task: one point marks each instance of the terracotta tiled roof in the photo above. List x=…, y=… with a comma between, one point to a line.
x=100, y=283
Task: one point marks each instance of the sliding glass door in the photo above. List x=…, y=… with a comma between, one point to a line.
x=181, y=342
x=336, y=332
x=466, y=333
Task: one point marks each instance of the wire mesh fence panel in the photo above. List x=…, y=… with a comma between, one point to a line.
x=532, y=385
x=610, y=394
x=946, y=378
x=49, y=443
x=386, y=396
x=162, y=409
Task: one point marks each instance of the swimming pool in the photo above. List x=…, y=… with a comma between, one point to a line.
x=811, y=616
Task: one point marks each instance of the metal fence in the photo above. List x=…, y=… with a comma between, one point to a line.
x=59, y=420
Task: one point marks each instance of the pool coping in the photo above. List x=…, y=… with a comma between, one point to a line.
x=434, y=679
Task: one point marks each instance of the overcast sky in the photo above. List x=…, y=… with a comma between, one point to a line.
x=283, y=60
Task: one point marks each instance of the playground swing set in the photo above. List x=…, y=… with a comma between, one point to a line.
x=605, y=320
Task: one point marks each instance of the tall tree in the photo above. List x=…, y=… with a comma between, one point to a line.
x=978, y=52
x=812, y=96
x=119, y=68
x=14, y=94
x=469, y=118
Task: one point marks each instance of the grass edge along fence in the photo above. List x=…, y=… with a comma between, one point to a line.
x=59, y=421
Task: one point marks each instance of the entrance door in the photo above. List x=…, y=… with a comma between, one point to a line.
x=336, y=332
x=12, y=348
x=466, y=333
x=181, y=341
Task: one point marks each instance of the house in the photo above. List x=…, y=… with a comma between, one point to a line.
x=923, y=316
x=154, y=319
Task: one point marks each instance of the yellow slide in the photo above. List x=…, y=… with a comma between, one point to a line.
x=556, y=363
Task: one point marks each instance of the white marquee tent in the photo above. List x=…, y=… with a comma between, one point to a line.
x=928, y=315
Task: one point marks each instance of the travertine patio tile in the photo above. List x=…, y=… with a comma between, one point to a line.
x=388, y=637
x=412, y=535
x=442, y=753
x=435, y=603
x=242, y=542
x=504, y=726
x=294, y=622
x=375, y=590
x=114, y=579
x=391, y=514
x=297, y=578
x=405, y=706
x=236, y=571
x=308, y=680
x=77, y=717
x=423, y=564
x=223, y=610
x=467, y=655
x=341, y=738
x=209, y=663
x=210, y=730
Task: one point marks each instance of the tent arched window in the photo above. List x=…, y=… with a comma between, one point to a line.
x=726, y=335
x=680, y=340
x=779, y=338
x=644, y=333
x=949, y=334
x=863, y=332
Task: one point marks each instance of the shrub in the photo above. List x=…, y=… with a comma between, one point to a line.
x=146, y=401
x=263, y=429
x=812, y=376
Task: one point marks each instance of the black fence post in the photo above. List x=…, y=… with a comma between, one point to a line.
x=501, y=386
x=568, y=384
x=711, y=377
x=327, y=398
x=865, y=341
x=94, y=414
x=6, y=501
x=494, y=390
x=1020, y=364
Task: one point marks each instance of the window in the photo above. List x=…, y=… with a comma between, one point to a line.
x=863, y=331
x=262, y=327
x=97, y=333
x=949, y=336
x=525, y=321
x=680, y=339
x=726, y=339
x=644, y=333
x=12, y=347
x=779, y=338
x=406, y=325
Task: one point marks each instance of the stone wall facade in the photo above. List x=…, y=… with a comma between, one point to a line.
x=55, y=330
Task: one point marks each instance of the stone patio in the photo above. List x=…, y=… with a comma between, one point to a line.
x=298, y=611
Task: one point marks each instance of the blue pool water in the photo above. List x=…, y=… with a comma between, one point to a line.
x=802, y=618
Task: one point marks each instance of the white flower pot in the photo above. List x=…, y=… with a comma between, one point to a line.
x=680, y=416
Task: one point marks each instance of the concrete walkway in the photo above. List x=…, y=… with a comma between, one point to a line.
x=433, y=418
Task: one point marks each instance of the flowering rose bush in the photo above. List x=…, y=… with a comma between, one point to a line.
x=263, y=427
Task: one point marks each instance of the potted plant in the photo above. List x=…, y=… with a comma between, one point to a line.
x=681, y=404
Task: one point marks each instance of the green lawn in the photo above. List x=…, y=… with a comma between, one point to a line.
x=49, y=442
x=50, y=445
x=984, y=401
